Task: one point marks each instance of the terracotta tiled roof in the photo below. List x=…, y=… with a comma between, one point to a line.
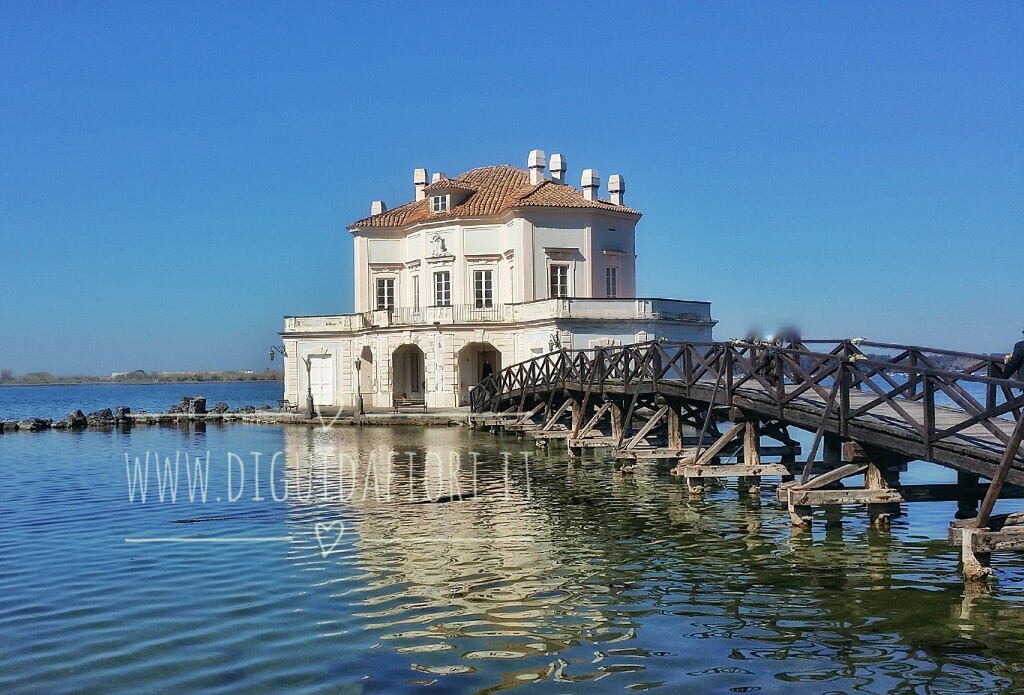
x=492, y=190
x=449, y=185
x=551, y=194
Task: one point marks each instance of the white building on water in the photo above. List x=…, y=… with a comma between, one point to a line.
x=478, y=272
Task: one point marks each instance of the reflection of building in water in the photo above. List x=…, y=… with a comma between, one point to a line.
x=625, y=568
x=490, y=567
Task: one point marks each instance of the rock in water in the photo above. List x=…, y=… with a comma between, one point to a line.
x=220, y=408
x=101, y=418
x=34, y=424
x=121, y=416
x=75, y=420
x=193, y=405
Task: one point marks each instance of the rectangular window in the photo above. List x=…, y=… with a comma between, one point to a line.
x=483, y=289
x=611, y=282
x=385, y=293
x=559, y=280
x=443, y=288
x=439, y=203
x=415, y=292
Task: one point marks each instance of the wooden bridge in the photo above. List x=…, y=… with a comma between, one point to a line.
x=873, y=409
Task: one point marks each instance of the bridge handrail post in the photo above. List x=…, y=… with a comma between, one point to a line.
x=929, y=412
x=688, y=367
x=990, y=389
x=657, y=363
x=728, y=375
x=845, y=380
x=780, y=379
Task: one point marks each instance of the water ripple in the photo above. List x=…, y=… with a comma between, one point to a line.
x=571, y=576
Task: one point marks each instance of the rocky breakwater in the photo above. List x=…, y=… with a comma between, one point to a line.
x=193, y=409
x=75, y=420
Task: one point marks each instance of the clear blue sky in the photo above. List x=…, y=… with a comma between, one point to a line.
x=175, y=177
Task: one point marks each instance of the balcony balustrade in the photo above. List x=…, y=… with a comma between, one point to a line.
x=559, y=308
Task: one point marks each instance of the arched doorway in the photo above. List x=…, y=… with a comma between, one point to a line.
x=364, y=385
x=407, y=380
x=475, y=361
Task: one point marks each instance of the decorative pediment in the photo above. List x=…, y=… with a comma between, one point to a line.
x=562, y=254
x=386, y=267
x=483, y=258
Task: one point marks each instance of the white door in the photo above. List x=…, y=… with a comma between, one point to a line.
x=321, y=379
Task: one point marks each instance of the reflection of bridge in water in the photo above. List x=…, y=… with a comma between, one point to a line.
x=618, y=580
x=871, y=415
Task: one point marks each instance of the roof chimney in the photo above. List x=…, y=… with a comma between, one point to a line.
x=438, y=175
x=377, y=207
x=558, y=168
x=419, y=179
x=591, y=181
x=537, y=162
x=617, y=188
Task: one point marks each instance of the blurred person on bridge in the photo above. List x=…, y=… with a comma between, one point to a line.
x=1014, y=361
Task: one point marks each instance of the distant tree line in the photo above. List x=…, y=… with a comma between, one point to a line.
x=7, y=377
x=140, y=376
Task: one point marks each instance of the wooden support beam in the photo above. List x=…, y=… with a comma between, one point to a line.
x=833, y=451
x=814, y=498
x=882, y=473
x=592, y=442
x=579, y=411
x=675, y=430
x=648, y=426
x=556, y=432
x=722, y=442
x=967, y=499
x=834, y=476
x=1009, y=539
x=734, y=471
x=566, y=405
x=1000, y=477
x=695, y=486
x=617, y=423
x=592, y=423
x=976, y=566
x=997, y=522
x=657, y=452
x=789, y=461
x=751, y=483
x=526, y=416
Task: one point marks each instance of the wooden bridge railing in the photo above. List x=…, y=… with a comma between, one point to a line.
x=833, y=371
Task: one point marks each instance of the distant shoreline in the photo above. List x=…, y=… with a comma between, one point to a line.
x=145, y=383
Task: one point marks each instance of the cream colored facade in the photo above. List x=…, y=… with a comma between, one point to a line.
x=479, y=272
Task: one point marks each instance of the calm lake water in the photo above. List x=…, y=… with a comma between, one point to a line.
x=330, y=571
x=19, y=402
